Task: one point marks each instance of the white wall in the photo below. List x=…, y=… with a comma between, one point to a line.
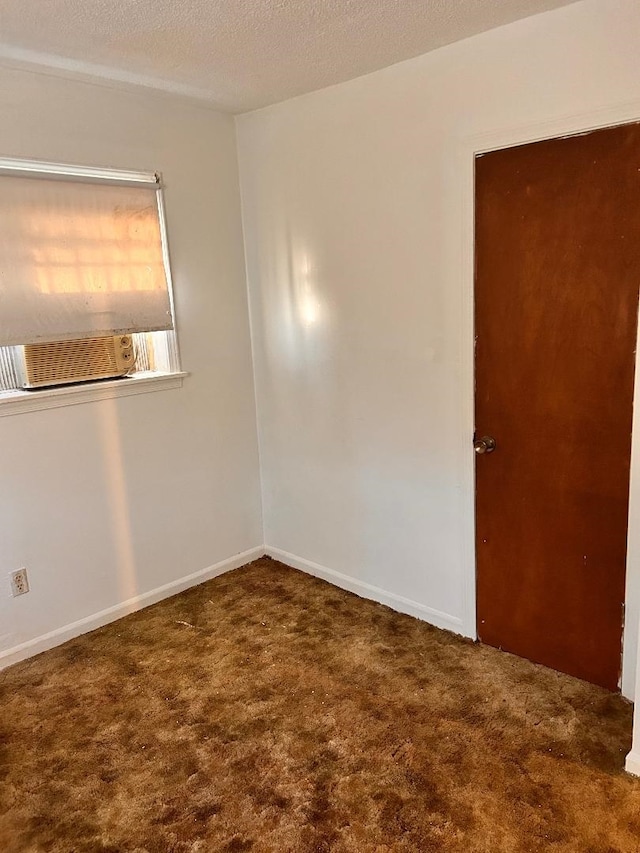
x=108, y=500
x=357, y=205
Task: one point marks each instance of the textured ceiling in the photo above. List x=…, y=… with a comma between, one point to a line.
x=241, y=54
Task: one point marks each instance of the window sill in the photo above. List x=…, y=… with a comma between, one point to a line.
x=17, y=402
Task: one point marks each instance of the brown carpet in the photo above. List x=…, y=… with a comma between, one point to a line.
x=268, y=711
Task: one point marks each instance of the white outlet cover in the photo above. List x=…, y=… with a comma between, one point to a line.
x=19, y=582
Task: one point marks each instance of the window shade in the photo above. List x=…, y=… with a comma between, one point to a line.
x=79, y=259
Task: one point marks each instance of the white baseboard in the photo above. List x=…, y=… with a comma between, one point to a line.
x=367, y=590
x=632, y=764
x=138, y=602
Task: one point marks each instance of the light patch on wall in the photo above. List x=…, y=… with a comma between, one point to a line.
x=298, y=335
x=121, y=530
x=307, y=303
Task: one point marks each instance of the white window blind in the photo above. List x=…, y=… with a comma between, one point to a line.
x=79, y=257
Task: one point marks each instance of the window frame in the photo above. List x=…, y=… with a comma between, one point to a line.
x=19, y=400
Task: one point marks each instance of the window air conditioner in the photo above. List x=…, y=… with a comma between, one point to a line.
x=62, y=362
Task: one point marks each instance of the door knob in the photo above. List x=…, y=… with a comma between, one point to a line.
x=486, y=444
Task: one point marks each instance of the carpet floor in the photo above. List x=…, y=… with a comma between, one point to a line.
x=266, y=710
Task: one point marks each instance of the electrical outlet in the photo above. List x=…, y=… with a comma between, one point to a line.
x=19, y=582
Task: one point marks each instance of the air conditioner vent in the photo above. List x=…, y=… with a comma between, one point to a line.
x=62, y=362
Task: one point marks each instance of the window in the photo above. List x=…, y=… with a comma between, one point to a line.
x=83, y=255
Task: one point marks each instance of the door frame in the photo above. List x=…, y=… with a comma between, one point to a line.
x=468, y=149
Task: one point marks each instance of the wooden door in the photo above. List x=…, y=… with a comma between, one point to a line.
x=556, y=306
